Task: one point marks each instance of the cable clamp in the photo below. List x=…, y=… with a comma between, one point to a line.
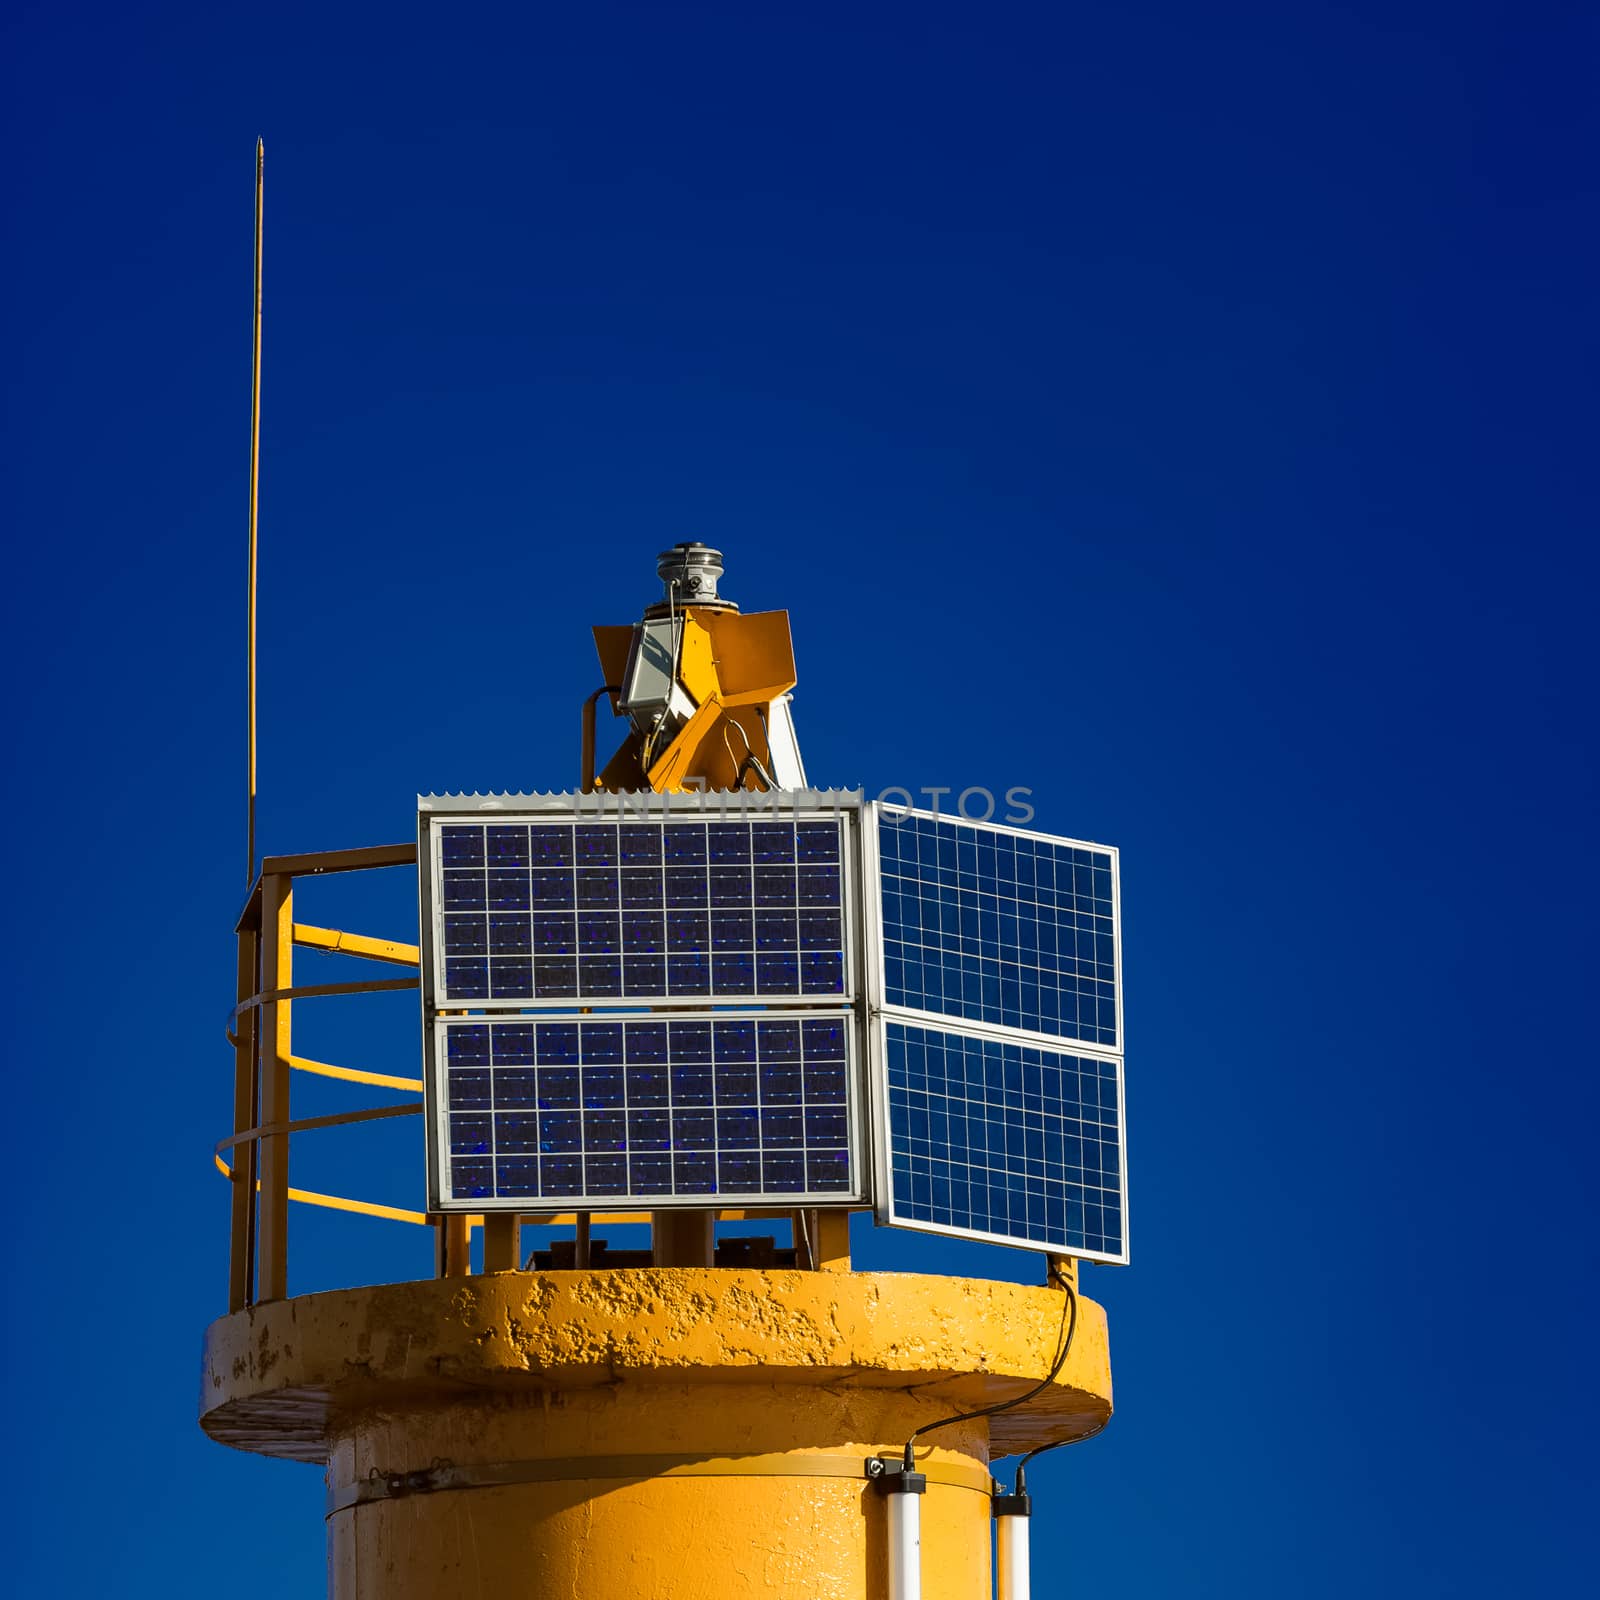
x=890, y=1475
x=424, y=1480
x=1013, y=1505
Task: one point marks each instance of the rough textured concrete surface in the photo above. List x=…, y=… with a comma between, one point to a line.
x=683, y=1432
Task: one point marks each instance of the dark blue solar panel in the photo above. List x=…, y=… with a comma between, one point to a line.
x=1015, y=930
x=1019, y=1143
x=612, y=1111
x=576, y=911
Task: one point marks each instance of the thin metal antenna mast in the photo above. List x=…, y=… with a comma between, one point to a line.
x=255, y=482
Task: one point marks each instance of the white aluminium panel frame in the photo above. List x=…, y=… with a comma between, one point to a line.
x=857, y=1117
x=879, y=1013
x=883, y=1176
x=872, y=874
x=857, y=915
x=579, y=809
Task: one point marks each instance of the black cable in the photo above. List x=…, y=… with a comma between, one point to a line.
x=1069, y=1326
x=1077, y=1438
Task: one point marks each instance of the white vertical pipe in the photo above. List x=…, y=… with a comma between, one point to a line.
x=905, y=1546
x=1011, y=1557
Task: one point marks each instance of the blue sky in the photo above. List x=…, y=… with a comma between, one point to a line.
x=1188, y=414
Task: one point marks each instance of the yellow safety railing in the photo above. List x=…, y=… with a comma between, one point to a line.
x=264, y=1065
x=264, y=1062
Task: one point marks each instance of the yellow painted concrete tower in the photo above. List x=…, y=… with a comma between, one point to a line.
x=695, y=1427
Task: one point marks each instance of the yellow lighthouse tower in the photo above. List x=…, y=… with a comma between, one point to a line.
x=692, y=990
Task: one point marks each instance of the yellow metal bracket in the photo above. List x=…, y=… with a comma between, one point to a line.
x=671, y=772
x=697, y=667
x=445, y=1476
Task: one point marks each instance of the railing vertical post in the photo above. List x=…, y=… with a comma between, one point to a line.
x=277, y=972
x=241, y=1252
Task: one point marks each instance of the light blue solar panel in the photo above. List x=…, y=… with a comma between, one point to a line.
x=613, y=1112
x=994, y=1139
x=991, y=926
x=562, y=911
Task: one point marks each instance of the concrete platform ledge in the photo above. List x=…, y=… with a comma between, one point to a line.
x=285, y=1379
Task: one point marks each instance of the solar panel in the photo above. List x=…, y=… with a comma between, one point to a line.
x=581, y=909
x=642, y=1001
x=609, y=1112
x=996, y=926
x=1013, y=1143
x=998, y=1069
x=635, y=1010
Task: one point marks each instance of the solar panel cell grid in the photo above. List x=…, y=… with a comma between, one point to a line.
x=578, y=911
x=1012, y=930
x=611, y=1110
x=1011, y=1141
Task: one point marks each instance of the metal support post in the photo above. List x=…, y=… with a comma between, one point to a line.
x=452, y=1245
x=277, y=972
x=804, y=1251
x=457, y=1246
x=683, y=1238
x=830, y=1240
x=242, y=1234
x=502, y=1241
